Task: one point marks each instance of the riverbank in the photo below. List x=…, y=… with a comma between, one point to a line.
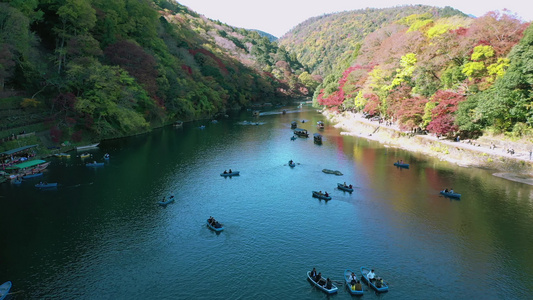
x=482, y=153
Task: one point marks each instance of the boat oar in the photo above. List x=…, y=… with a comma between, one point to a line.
x=18, y=292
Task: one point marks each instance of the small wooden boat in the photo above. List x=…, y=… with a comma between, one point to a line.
x=234, y=173
x=85, y=155
x=94, y=164
x=317, y=138
x=4, y=289
x=215, y=228
x=45, y=185
x=383, y=286
x=401, y=165
x=166, y=200
x=62, y=155
x=451, y=195
x=341, y=186
x=321, y=196
x=301, y=132
x=321, y=284
x=292, y=164
x=32, y=175
x=353, y=290
x=81, y=148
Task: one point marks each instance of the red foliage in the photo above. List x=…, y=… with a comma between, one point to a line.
x=410, y=113
x=443, y=118
x=186, y=69
x=205, y=52
x=55, y=134
x=372, y=105
x=443, y=125
x=396, y=98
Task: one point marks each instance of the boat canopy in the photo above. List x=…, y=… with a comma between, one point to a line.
x=13, y=151
x=300, y=130
x=317, y=135
x=26, y=164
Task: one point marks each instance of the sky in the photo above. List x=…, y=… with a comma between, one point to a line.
x=277, y=17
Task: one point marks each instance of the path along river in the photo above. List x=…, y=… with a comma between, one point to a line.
x=101, y=234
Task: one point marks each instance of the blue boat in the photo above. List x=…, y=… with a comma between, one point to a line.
x=321, y=196
x=383, y=287
x=32, y=175
x=401, y=165
x=166, y=200
x=354, y=290
x=321, y=284
x=16, y=181
x=234, y=173
x=4, y=289
x=95, y=164
x=341, y=186
x=45, y=185
x=292, y=164
x=293, y=138
x=450, y=194
x=216, y=227
x=106, y=156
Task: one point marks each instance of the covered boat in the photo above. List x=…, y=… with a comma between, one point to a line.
x=321, y=196
x=378, y=285
x=45, y=185
x=321, y=284
x=343, y=187
x=29, y=167
x=401, y=165
x=301, y=132
x=215, y=225
x=166, y=201
x=356, y=289
x=320, y=125
x=4, y=289
x=450, y=194
x=317, y=138
x=294, y=124
x=229, y=174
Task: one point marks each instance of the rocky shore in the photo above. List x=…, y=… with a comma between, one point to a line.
x=487, y=153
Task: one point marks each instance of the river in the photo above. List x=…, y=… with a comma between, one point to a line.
x=102, y=235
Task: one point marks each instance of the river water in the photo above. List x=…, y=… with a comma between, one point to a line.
x=101, y=234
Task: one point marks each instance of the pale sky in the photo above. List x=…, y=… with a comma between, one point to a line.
x=277, y=17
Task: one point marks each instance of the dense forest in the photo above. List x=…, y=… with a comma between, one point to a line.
x=101, y=69
x=436, y=71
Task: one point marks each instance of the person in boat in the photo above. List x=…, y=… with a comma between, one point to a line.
x=326, y=194
x=230, y=171
x=378, y=282
x=446, y=190
x=211, y=220
x=328, y=284
x=451, y=190
x=353, y=278
x=318, y=277
x=225, y=172
x=313, y=273
x=371, y=276
x=345, y=184
x=350, y=186
x=217, y=225
x=320, y=193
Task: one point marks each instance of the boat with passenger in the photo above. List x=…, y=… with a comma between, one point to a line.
x=352, y=283
x=230, y=173
x=320, y=195
x=450, y=194
x=320, y=125
x=94, y=164
x=166, y=201
x=317, y=138
x=374, y=282
x=301, y=132
x=214, y=224
x=345, y=187
x=401, y=164
x=322, y=284
x=45, y=185
x=294, y=124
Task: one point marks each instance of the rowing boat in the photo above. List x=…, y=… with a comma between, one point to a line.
x=321, y=284
x=215, y=228
x=45, y=185
x=4, y=289
x=353, y=289
x=321, y=196
x=380, y=286
x=234, y=173
x=341, y=186
x=450, y=194
x=166, y=200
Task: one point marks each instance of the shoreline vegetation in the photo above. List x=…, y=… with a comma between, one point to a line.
x=483, y=153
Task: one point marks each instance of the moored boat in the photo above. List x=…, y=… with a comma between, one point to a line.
x=343, y=187
x=32, y=175
x=378, y=285
x=215, y=225
x=62, y=155
x=91, y=146
x=4, y=289
x=321, y=284
x=44, y=185
x=85, y=155
x=356, y=289
x=321, y=196
x=301, y=132
x=401, y=165
x=229, y=174
x=166, y=201
x=26, y=168
x=450, y=194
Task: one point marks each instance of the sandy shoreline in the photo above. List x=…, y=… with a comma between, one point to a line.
x=517, y=167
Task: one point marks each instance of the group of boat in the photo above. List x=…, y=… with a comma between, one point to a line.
x=351, y=282
x=446, y=193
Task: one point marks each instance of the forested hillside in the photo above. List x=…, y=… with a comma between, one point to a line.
x=449, y=74
x=114, y=68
